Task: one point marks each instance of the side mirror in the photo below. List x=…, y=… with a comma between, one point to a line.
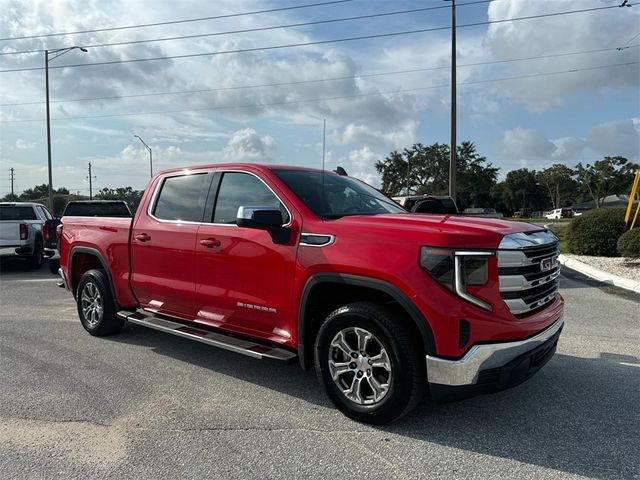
x=264, y=218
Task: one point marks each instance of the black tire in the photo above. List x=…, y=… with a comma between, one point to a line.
x=405, y=380
x=54, y=265
x=96, y=304
x=35, y=260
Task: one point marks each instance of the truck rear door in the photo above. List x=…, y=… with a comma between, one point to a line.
x=244, y=279
x=163, y=244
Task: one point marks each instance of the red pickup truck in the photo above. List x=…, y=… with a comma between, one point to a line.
x=282, y=262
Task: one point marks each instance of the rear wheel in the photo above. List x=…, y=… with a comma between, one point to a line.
x=96, y=305
x=369, y=364
x=35, y=260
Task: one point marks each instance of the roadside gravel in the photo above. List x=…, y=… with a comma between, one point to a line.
x=623, y=267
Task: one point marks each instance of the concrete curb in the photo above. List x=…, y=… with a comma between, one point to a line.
x=600, y=275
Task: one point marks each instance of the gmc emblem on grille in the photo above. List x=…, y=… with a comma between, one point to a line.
x=547, y=264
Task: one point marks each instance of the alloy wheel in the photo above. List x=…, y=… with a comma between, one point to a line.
x=359, y=365
x=92, y=305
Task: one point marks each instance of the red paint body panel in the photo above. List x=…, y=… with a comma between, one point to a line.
x=250, y=285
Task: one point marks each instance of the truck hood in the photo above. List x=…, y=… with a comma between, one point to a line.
x=455, y=231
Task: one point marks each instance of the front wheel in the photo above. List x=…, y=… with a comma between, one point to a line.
x=96, y=305
x=369, y=363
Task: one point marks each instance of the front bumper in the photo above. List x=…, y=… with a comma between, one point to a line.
x=492, y=367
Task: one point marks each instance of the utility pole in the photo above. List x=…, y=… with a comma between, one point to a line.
x=453, y=144
x=12, y=178
x=91, y=177
x=408, y=170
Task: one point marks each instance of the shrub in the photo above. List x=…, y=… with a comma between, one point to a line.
x=596, y=232
x=629, y=244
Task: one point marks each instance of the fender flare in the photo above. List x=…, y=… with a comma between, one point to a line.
x=98, y=255
x=367, y=282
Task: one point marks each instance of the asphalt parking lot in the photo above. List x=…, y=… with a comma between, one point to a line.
x=145, y=404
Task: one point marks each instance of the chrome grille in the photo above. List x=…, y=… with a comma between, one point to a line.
x=524, y=284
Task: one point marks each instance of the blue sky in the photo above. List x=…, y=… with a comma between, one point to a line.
x=531, y=122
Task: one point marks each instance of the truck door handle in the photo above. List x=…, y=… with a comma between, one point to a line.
x=210, y=242
x=143, y=237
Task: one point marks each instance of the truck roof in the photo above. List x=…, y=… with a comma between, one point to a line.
x=258, y=166
x=21, y=204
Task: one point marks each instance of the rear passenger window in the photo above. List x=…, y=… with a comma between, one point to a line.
x=182, y=198
x=243, y=189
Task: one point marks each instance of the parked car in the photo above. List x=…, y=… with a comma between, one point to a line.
x=282, y=262
x=482, y=212
x=523, y=213
x=78, y=208
x=21, y=231
x=559, y=213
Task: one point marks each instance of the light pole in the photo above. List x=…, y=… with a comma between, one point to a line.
x=452, y=146
x=150, y=154
x=55, y=54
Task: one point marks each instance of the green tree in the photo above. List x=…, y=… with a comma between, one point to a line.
x=41, y=191
x=558, y=183
x=611, y=175
x=425, y=169
x=10, y=198
x=475, y=177
x=418, y=169
x=127, y=194
x=521, y=191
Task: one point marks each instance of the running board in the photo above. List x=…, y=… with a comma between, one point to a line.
x=233, y=344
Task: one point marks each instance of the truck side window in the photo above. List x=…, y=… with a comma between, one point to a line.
x=242, y=189
x=182, y=198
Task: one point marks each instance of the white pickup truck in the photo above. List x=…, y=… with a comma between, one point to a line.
x=21, y=231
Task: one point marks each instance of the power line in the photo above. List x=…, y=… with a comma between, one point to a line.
x=307, y=100
x=318, y=42
x=624, y=45
x=319, y=80
x=173, y=22
x=256, y=29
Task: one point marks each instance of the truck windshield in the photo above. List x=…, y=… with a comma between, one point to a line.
x=337, y=196
x=15, y=212
x=116, y=209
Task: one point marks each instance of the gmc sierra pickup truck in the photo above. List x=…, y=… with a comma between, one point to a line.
x=282, y=262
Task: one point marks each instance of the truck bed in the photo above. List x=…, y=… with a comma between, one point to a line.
x=109, y=236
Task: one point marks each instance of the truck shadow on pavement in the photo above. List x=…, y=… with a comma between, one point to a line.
x=577, y=415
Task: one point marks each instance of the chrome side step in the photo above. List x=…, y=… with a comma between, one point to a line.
x=233, y=344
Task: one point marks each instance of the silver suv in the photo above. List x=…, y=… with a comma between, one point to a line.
x=21, y=231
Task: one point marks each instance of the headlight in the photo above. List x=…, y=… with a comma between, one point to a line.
x=457, y=269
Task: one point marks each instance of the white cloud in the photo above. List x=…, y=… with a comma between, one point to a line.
x=363, y=134
x=247, y=146
x=564, y=33
x=520, y=143
x=523, y=146
x=360, y=164
x=24, y=145
x=615, y=138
